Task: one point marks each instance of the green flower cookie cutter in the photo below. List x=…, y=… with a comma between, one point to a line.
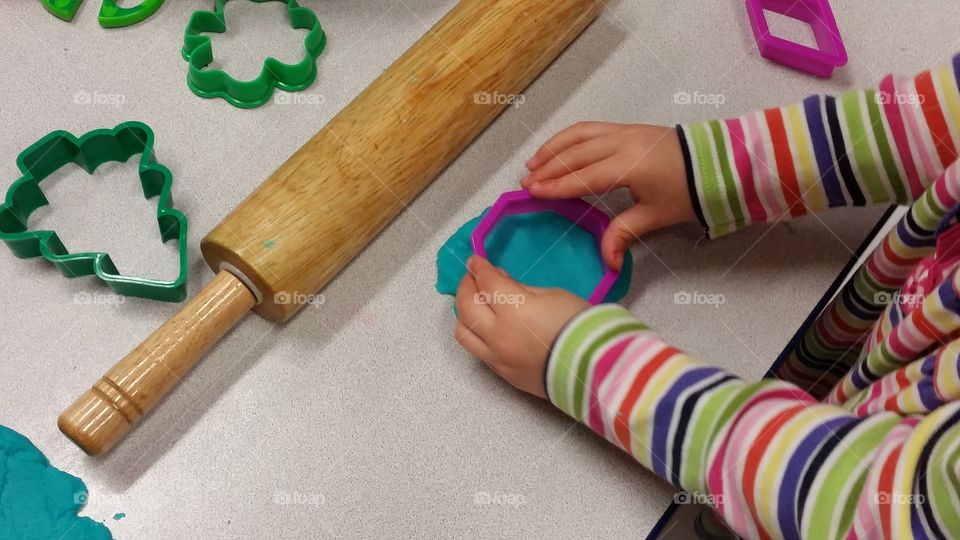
x=213, y=83
x=111, y=15
x=90, y=151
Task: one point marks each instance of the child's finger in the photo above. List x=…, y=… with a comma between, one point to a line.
x=491, y=282
x=596, y=179
x=623, y=231
x=573, y=159
x=574, y=134
x=472, y=343
x=472, y=309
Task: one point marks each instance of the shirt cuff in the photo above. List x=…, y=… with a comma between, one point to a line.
x=691, y=180
x=570, y=363
x=716, y=197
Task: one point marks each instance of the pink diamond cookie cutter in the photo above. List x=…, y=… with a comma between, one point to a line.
x=580, y=212
x=830, y=52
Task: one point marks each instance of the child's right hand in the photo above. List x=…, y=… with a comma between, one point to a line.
x=592, y=158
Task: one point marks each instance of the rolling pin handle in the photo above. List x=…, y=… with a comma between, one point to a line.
x=118, y=400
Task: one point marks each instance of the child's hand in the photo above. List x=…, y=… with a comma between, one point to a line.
x=592, y=158
x=510, y=326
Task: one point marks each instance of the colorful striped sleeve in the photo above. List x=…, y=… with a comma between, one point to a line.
x=864, y=147
x=772, y=460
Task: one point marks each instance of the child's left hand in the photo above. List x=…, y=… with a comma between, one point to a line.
x=510, y=326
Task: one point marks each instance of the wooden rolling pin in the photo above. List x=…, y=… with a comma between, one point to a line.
x=289, y=238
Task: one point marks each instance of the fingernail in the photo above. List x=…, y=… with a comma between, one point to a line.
x=618, y=261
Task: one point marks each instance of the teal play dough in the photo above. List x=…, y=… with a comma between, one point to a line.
x=37, y=501
x=542, y=249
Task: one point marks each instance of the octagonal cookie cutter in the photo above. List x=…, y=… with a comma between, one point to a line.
x=213, y=83
x=580, y=212
x=111, y=14
x=91, y=150
x=821, y=61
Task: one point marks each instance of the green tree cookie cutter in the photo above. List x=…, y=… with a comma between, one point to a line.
x=90, y=151
x=214, y=83
x=111, y=15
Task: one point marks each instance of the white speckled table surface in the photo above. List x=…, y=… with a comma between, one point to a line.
x=362, y=417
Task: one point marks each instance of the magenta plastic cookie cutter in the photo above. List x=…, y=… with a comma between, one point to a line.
x=821, y=62
x=580, y=212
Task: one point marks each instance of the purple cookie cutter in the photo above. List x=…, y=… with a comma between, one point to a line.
x=580, y=212
x=821, y=62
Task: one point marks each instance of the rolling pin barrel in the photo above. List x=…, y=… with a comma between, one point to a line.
x=334, y=195
x=296, y=231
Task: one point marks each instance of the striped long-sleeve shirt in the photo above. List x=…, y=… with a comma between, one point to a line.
x=863, y=439
x=876, y=146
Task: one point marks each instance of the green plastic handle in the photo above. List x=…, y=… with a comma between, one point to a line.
x=111, y=15
x=114, y=16
x=62, y=9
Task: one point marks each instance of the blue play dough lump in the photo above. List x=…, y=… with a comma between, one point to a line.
x=37, y=501
x=542, y=249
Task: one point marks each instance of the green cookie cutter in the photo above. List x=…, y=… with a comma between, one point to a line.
x=111, y=15
x=90, y=151
x=214, y=83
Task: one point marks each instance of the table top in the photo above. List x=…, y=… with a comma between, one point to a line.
x=362, y=416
